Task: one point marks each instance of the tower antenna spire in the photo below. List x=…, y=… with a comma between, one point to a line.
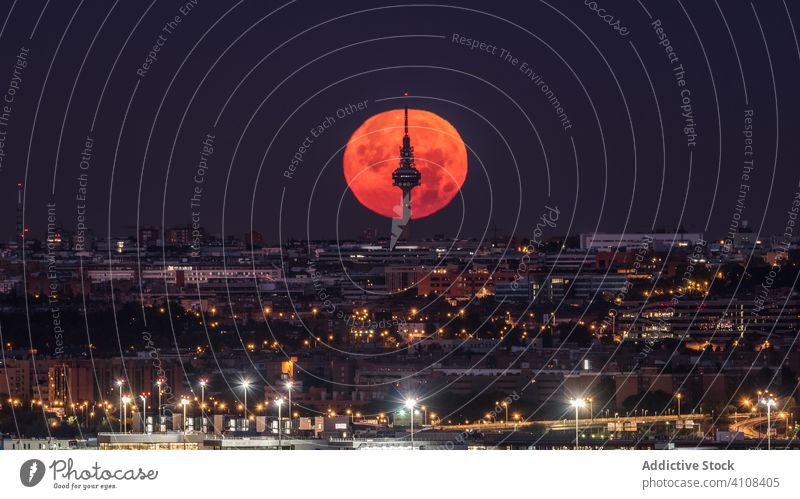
x=405, y=94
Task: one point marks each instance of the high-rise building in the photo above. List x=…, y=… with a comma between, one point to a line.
x=149, y=236
x=187, y=235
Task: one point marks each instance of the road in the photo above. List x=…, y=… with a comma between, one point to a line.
x=751, y=427
x=567, y=423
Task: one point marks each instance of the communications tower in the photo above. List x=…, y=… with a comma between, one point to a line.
x=406, y=177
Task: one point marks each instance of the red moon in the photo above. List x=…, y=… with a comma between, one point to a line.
x=373, y=153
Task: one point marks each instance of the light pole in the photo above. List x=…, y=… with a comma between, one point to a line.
x=125, y=401
x=184, y=403
x=245, y=386
x=424, y=415
x=159, y=382
x=505, y=405
x=144, y=412
x=279, y=402
x=591, y=410
x=203, y=383
x=410, y=404
x=120, y=382
x=679, y=397
x=613, y=324
x=769, y=403
x=289, y=391
x=577, y=404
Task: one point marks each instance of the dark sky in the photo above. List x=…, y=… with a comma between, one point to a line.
x=259, y=82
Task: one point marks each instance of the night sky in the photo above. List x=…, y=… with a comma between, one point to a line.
x=258, y=75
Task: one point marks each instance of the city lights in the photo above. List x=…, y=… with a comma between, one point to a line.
x=532, y=227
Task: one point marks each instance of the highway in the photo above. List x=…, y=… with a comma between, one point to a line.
x=567, y=423
x=751, y=427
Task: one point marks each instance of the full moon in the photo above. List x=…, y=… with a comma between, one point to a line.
x=372, y=154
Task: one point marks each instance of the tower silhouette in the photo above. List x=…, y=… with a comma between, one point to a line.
x=406, y=177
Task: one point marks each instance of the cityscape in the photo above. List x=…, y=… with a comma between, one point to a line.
x=399, y=227
x=601, y=340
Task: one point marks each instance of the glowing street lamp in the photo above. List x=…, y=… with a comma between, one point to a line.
x=678, y=397
x=410, y=404
x=279, y=403
x=289, y=391
x=770, y=403
x=203, y=384
x=245, y=386
x=159, y=382
x=119, y=384
x=577, y=404
x=125, y=401
x=184, y=403
x=144, y=412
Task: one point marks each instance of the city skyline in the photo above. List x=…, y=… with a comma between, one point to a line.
x=368, y=225
x=662, y=171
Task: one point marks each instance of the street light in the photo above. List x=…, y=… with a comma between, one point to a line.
x=505, y=405
x=159, y=382
x=203, y=383
x=410, y=404
x=679, y=396
x=245, y=386
x=770, y=402
x=184, y=402
x=289, y=391
x=120, y=382
x=577, y=404
x=279, y=402
x=144, y=412
x=125, y=401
